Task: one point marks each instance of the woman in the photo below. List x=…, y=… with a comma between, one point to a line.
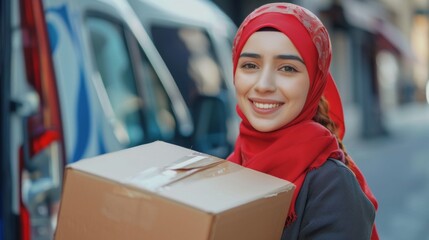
x=281, y=58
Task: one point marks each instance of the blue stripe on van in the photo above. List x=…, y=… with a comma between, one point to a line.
x=82, y=123
x=53, y=36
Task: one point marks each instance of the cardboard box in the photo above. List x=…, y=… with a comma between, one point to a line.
x=162, y=191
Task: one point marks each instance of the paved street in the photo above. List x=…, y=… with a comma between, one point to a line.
x=397, y=169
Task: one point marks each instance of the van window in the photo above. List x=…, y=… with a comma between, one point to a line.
x=114, y=66
x=190, y=57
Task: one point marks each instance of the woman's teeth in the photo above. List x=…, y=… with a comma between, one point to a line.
x=266, y=105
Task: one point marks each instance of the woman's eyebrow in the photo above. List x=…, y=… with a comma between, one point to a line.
x=251, y=55
x=281, y=56
x=290, y=57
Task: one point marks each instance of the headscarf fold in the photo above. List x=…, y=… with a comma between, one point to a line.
x=301, y=145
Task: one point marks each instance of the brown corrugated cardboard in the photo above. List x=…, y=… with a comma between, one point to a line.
x=162, y=191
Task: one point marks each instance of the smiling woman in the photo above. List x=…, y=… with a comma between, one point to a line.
x=292, y=123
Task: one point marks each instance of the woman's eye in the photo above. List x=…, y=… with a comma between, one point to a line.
x=288, y=69
x=249, y=66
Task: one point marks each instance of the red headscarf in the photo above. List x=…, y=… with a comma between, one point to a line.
x=301, y=145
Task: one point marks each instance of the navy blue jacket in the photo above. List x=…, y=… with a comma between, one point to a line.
x=330, y=206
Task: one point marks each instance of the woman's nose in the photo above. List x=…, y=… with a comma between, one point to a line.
x=266, y=81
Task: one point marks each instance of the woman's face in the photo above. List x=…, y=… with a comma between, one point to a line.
x=271, y=81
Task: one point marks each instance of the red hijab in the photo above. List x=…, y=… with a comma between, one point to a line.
x=301, y=145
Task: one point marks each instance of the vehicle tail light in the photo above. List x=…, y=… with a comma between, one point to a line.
x=42, y=156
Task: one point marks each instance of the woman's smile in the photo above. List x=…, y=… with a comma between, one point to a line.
x=265, y=106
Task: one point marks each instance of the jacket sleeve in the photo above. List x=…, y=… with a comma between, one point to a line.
x=335, y=206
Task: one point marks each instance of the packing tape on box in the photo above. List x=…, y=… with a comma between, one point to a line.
x=157, y=177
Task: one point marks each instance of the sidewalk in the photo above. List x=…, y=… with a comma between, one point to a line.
x=397, y=169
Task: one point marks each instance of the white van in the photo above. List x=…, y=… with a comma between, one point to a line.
x=80, y=78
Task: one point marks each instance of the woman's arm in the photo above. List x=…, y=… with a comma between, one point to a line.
x=331, y=205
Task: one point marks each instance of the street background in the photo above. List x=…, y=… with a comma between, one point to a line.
x=396, y=167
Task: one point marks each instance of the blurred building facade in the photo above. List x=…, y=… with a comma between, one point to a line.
x=380, y=52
